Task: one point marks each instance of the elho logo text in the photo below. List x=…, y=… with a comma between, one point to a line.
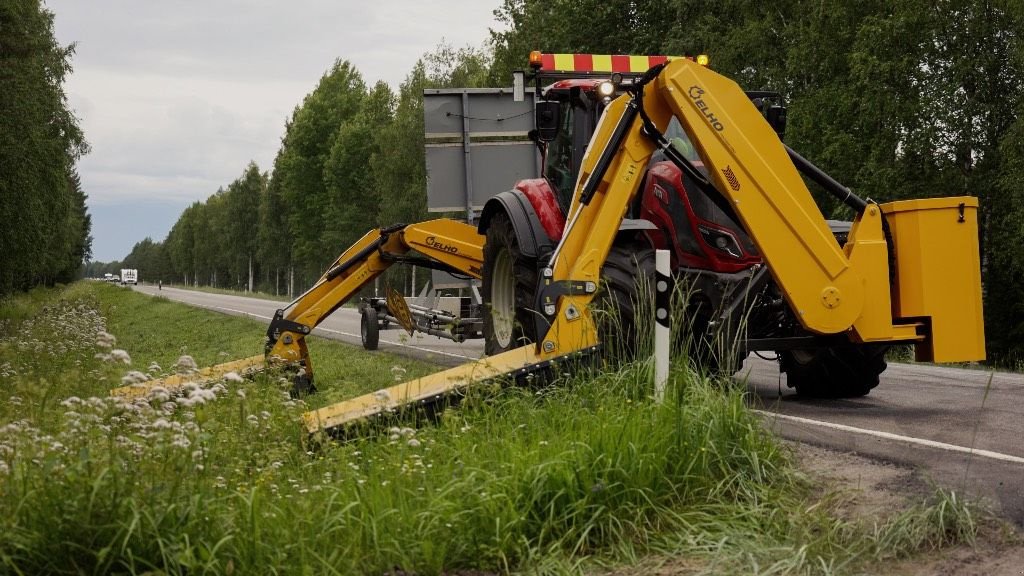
x=696, y=94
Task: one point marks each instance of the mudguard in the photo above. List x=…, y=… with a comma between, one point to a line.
x=534, y=242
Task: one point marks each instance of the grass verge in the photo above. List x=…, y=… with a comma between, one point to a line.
x=570, y=478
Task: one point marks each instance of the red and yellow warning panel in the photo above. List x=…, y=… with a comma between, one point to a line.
x=610, y=63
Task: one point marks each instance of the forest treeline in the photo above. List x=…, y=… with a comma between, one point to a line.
x=44, y=225
x=897, y=100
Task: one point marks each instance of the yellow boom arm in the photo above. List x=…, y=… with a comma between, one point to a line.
x=447, y=244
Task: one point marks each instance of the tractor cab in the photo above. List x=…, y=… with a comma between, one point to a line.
x=574, y=90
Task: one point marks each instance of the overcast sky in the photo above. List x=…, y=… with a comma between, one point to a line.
x=176, y=97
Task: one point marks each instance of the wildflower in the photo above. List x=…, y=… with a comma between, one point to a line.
x=105, y=340
x=134, y=377
x=382, y=396
x=154, y=368
x=241, y=393
x=253, y=420
x=398, y=373
x=185, y=365
x=414, y=443
x=71, y=401
x=159, y=394
x=120, y=356
x=233, y=377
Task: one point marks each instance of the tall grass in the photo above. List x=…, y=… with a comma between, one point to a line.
x=583, y=473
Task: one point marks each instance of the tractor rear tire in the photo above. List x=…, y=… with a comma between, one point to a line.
x=627, y=294
x=509, y=290
x=837, y=372
x=369, y=328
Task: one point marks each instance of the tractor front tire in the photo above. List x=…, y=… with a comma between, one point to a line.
x=509, y=290
x=626, y=303
x=837, y=372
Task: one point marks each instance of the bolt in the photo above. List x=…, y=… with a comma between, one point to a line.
x=549, y=309
x=549, y=346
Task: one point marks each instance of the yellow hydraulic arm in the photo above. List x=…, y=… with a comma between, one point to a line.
x=933, y=300
x=443, y=244
x=446, y=244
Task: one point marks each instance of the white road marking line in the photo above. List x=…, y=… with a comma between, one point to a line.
x=897, y=437
x=321, y=328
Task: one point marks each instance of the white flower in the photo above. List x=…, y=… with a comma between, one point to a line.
x=414, y=443
x=241, y=393
x=233, y=377
x=134, y=377
x=120, y=356
x=185, y=365
x=382, y=396
x=105, y=340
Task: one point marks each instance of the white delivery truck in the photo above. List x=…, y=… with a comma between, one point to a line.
x=129, y=276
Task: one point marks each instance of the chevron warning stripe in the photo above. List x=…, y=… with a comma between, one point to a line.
x=600, y=63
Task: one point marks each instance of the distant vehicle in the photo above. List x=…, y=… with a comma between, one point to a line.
x=115, y=278
x=129, y=276
x=108, y=277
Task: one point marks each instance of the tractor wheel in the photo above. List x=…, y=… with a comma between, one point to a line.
x=838, y=372
x=369, y=328
x=625, y=305
x=509, y=289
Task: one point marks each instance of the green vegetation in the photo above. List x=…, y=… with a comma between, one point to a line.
x=562, y=479
x=45, y=235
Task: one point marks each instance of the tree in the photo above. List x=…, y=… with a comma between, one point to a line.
x=46, y=229
x=300, y=166
x=242, y=209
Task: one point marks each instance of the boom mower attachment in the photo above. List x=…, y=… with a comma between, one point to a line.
x=931, y=298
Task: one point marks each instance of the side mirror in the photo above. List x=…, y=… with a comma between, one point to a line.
x=547, y=118
x=776, y=116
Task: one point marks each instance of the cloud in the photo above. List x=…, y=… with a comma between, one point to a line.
x=176, y=98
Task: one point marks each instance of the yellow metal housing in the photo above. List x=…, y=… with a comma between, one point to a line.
x=938, y=274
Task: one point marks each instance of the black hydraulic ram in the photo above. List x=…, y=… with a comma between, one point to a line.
x=844, y=194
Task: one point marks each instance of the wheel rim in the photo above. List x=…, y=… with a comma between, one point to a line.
x=503, y=301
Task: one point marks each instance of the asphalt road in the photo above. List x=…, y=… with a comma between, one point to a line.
x=963, y=428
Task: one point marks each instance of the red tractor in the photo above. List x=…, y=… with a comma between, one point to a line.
x=733, y=306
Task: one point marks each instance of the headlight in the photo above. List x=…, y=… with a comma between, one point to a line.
x=720, y=240
x=605, y=89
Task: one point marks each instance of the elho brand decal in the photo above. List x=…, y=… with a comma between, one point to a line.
x=696, y=92
x=433, y=243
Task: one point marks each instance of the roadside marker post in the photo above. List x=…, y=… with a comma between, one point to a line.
x=662, y=319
